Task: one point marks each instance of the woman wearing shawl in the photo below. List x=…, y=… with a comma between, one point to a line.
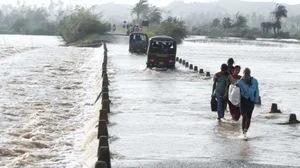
x=232, y=80
x=249, y=96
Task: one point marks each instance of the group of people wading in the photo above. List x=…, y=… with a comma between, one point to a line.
x=248, y=93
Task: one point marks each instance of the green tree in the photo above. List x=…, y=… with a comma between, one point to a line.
x=226, y=23
x=263, y=26
x=297, y=19
x=139, y=8
x=80, y=24
x=241, y=21
x=154, y=15
x=19, y=25
x=297, y=35
x=216, y=22
x=1, y=15
x=279, y=13
x=266, y=26
x=173, y=27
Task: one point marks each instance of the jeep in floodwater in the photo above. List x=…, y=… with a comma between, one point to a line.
x=161, y=52
x=138, y=43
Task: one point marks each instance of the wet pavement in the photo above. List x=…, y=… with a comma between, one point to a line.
x=163, y=118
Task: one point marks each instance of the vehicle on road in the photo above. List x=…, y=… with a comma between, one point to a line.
x=161, y=52
x=138, y=43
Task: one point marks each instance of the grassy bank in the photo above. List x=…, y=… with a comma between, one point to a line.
x=91, y=40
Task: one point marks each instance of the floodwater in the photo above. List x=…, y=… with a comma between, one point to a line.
x=46, y=100
x=159, y=118
x=163, y=118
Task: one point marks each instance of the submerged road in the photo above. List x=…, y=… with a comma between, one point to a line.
x=163, y=118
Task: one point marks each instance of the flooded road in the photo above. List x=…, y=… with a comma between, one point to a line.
x=46, y=99
x=163, y=118
x=158, y=119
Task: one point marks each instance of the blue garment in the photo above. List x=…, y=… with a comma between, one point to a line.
x=221, y=107
x=221, y=83
x=249, y=92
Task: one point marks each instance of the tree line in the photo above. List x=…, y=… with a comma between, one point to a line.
x=171, y=26
x=239, y=27
x=72, y=23
x=25, y=19
x=76, y=22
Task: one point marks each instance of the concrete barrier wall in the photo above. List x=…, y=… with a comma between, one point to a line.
x=103, y=152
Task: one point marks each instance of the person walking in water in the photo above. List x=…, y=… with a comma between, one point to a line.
x=230, y=63
x=249, y=96
x=219, y=86
x=232, y=80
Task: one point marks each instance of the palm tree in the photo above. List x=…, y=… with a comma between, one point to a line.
x=241, y=21
x=279, y=13
x=216, y=22
x=139, y=8
x=263, y=26
x=173, y=27
x=153, y=14
x=227, y=23
x=266, y=26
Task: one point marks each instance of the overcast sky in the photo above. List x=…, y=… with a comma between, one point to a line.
x=154, y=2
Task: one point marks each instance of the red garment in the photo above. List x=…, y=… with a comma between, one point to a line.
x=234, y=111
x=236, y=76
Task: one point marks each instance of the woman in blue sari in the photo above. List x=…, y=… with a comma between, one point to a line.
x=249, y=96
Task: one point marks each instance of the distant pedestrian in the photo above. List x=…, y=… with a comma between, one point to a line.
x=230, y=63
x=218, y=91
x=249, y=96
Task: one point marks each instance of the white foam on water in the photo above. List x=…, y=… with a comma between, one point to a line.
x=44, y=104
